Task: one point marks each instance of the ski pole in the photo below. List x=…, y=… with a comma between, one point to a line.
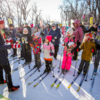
x=60, y=60
x=92, y=75
x=53, y=70
x=75, y=66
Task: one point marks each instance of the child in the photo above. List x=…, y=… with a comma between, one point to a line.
x=36, y=45
x=48, y=49
x=69, y=45
x=97, y=56
x=26, y=49
x=88, y=47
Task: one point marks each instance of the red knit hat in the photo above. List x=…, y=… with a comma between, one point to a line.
x=49, y=38
x=1, y=21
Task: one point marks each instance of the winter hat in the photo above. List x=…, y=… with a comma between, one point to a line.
x=37, y=26
x=96, y=24
x=18, y=28
x=99, y=28
x=11, y=25
x=53, y=24
x=37, y=34
x=49, y=38
x=25, y=29
x=1, y=21
x=70, y=31
x=89, y=35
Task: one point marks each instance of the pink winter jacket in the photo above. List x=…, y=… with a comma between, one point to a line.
x=78, y=33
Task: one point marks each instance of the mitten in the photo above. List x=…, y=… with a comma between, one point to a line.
x=51, y=53
x=92, y=50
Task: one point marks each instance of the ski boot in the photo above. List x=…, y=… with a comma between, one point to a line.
x=63, y=71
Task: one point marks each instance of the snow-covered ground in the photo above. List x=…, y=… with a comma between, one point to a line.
x=43, y=91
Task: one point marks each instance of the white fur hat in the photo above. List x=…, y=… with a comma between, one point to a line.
x=70, y=31
x=25, y=29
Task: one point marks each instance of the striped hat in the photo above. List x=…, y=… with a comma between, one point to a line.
x=1, y=21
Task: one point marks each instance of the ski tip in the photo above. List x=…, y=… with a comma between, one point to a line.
x=52, y=84
x=29, y=83
x=36, y=85
x=57, y=85
x=69, y=86
x=78, y=89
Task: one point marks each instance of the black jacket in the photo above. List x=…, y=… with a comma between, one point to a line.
x=83, y=28
x=3, y=52
x=92, y=29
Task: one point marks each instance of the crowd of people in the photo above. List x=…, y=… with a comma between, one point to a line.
x=46, y=39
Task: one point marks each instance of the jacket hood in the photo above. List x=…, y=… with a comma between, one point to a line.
x=77, y=22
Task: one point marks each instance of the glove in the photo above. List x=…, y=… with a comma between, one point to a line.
x=51, y=53
x=92, y=50
x=53, y=40
x=55, y=37
x=7, y=41
x=15, y=45
x=78, y=49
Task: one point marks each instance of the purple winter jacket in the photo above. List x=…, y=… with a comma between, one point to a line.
x=78, y=32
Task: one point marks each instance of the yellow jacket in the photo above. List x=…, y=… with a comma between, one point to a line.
x=87, y=47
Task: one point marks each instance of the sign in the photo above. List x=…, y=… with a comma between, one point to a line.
x=91, y=20
x=9, y=21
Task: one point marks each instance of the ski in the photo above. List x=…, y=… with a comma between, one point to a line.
x=16, y=61
x=22, y=66
x=37, y=78
x=43, y=77
x=81, y=82
x=73, y=81
x=32, y=73
x=93, y=79
x=56, y=79
x=61, y=80
x=13, y=59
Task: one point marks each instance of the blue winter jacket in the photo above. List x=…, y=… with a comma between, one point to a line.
x=57, y=34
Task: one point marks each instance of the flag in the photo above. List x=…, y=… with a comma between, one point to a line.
x=83, y=16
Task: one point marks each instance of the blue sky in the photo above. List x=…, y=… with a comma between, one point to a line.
x=49, y=8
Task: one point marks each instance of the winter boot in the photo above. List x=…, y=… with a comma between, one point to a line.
x=35, y=66
x=3, y=82
x=14, y=88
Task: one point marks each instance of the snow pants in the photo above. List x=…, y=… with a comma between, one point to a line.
x=66, y=63
x=97, y=59
x=37, y=60
x=26, y=52
x=48, y=64
x=84, y=64
x=7, y=70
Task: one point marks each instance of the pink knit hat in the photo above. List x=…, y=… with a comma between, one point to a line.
x=49, y=38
